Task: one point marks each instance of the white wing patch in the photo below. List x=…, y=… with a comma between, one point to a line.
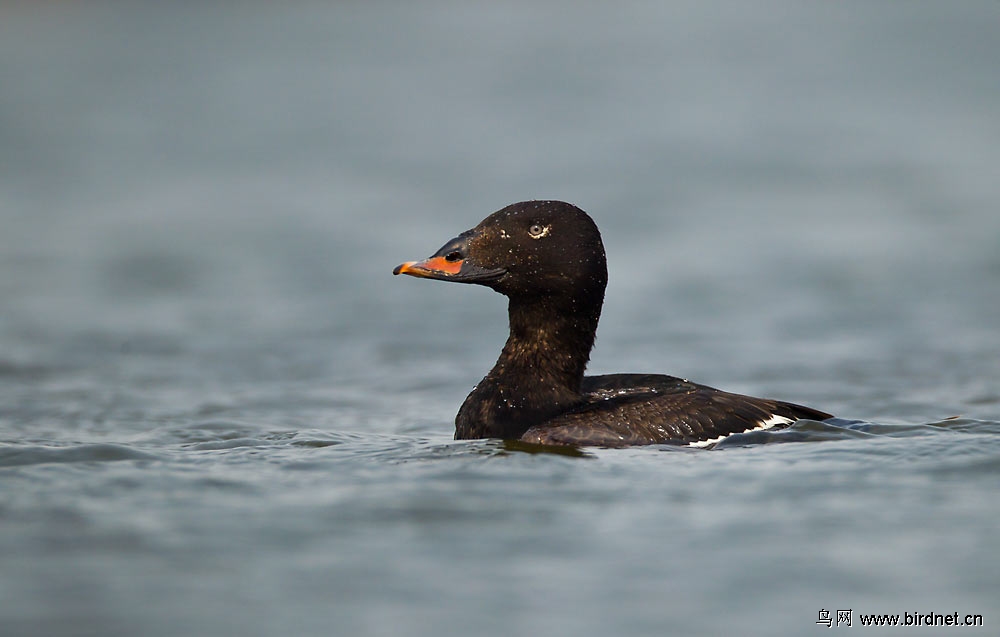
x=773, y=421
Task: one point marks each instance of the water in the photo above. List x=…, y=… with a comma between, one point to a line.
x=220, y=414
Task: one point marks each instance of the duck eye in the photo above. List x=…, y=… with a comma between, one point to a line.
x=536, y=230
x=453, y=256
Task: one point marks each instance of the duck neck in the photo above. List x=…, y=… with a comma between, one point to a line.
x=548, y=343
x=540, y=369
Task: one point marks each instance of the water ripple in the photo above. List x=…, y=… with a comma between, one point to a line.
x=16, y=455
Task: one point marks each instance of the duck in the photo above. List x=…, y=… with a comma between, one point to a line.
x=548, y=259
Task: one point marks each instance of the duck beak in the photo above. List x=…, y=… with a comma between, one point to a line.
x=451, y=263
x=431, y=268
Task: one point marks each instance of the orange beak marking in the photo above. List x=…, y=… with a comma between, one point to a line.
x=434, y=265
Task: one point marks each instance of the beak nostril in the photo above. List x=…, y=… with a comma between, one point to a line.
x=453, y=256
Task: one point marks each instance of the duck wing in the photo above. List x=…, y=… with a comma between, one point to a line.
x=641, y=409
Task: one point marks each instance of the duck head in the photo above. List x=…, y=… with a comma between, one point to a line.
x=547, y=249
